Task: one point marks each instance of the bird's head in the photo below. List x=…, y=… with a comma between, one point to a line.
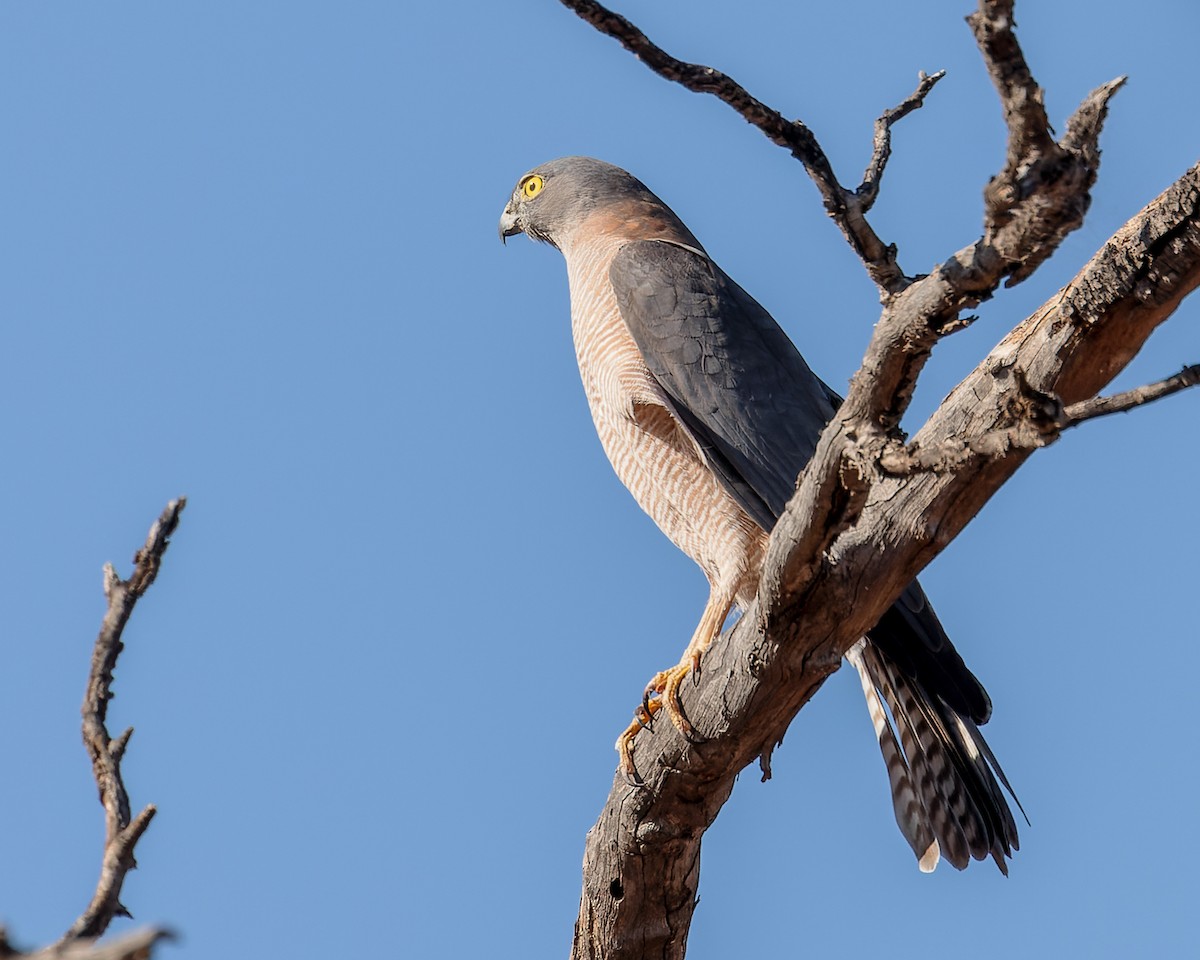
x=553, y=200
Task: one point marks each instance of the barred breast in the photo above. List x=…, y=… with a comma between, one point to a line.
x=652, y=454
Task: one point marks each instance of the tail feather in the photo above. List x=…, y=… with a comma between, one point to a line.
x=1006, y=839
x=982, y=745
x=911, y=816
x=949, y=817
x=943, y=773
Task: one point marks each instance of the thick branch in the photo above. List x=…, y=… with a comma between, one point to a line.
x=121, y=830
x=641, y=864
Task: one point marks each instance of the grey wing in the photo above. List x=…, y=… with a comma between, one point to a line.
x=749, y=400
x=737, y=382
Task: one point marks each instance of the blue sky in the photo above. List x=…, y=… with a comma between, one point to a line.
x=250, y=256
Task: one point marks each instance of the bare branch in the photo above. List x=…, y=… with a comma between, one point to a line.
x=121, y=830
x=1041, y=421
x=1121, y=402
x=1036, y=420
x=846, y=207
x=793, y=135
x=1038, y=199
x=1042, y=193
x=1029, y=212
x=868, y=190
x=1022, y=98
x=952, y=455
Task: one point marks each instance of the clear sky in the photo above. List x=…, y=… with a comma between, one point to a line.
x=249, y=255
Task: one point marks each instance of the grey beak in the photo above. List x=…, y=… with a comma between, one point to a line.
x=510, y=223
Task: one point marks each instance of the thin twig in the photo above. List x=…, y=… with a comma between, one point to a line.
x=1041, y=426
x=868, y=190
x=121, y=830
x=1085, y=410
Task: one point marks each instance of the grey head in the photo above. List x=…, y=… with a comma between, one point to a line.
x=551, y=200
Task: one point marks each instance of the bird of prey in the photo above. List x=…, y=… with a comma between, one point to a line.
x=708, y=414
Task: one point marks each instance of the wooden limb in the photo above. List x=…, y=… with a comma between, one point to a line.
x=1040, y=423
x=121, y=830
x=1020, y=96
x=868, y=190
x=1085, y=410
x=1043, y=191
x=853, y=536
x=1025, y=222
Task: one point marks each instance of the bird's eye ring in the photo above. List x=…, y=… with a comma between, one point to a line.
x=532, y=186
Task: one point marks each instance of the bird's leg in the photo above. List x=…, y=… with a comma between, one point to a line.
x=666, y=686
x=709, y=628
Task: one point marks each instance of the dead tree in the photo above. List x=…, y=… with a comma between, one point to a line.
x=122, y=829
x=873, y=507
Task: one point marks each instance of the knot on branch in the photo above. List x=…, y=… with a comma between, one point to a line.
x=1041, y=412
x=1035, y=419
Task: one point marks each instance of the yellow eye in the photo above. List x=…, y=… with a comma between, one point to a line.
x=532, y=186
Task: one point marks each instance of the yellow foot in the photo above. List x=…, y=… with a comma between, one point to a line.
x=643, y=716
x=662, y=693
x=666, y=686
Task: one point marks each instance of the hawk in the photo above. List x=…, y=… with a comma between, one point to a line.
x=708, y=414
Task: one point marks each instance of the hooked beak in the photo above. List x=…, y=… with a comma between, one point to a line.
x=510, y=223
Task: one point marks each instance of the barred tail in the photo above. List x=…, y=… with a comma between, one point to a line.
x=943, y=774
x=911, y=817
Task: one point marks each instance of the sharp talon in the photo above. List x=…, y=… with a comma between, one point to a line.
x=642, y=718
x=684, y=726
x=628, y=771
x=662, y=692
x=691, y=735
x=627, y=768
x=625, y=753
x=674, y=709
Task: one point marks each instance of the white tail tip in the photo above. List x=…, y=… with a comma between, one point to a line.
x=930, y=858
